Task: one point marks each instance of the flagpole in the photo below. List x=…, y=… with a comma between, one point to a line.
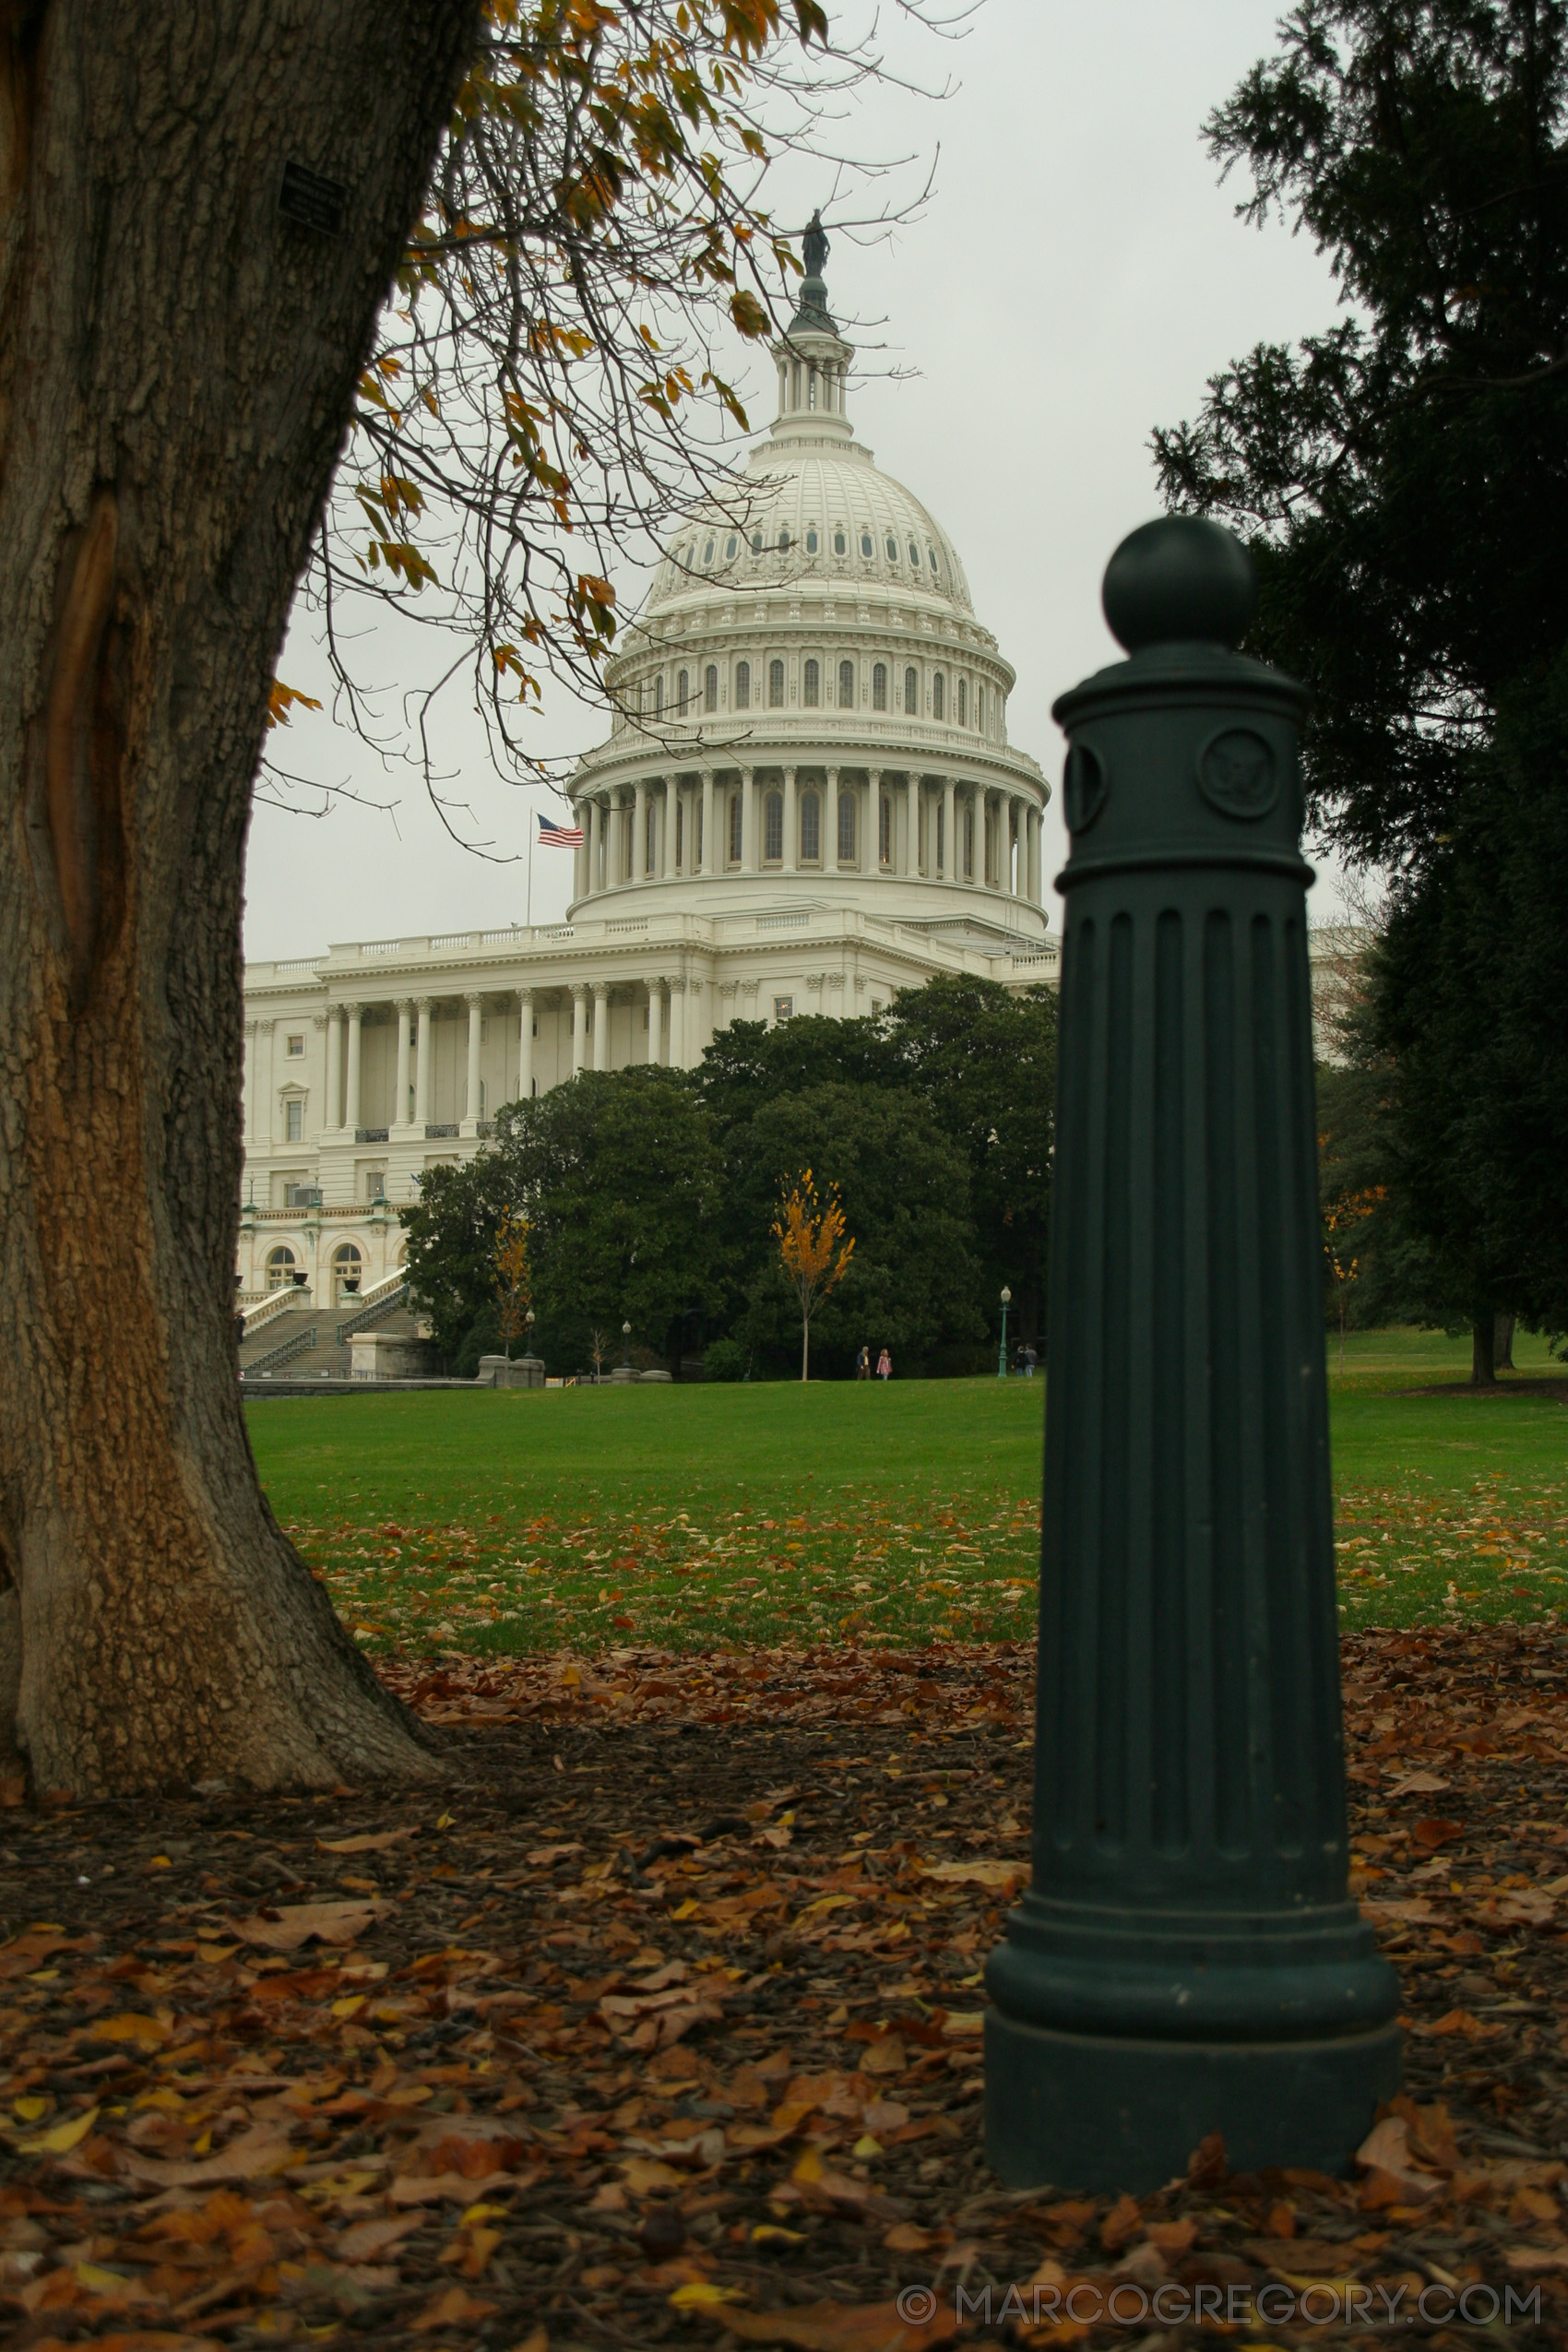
x=532, y=830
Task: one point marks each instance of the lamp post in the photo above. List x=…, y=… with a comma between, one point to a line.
x=626, y=1335
x=1188, y=1958
x=1002, y=1351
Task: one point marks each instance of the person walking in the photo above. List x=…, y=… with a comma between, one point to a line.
x=885, y=1366
x=862, y=1364
x=1030, y=1359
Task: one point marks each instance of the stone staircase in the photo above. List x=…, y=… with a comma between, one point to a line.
x=304, y=1344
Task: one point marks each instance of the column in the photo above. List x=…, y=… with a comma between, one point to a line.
x=655, y=1023
x=830, y=823
x=978, y=873
x=602, y=1024
x=748, y=834
x=351, y=1114
x=673, y=830
x=871, y=837
x=470, y=1097
x=422, y=1071
x=911, y=825
x=400, y=1116
x=666, y=1002
x=678, y=1023
x=709, y=845
x=639, y=830
x=579, y=1025
x=952, y=865
x=792, y=824
x=580, y=854
x=334, y=1068
x=593, y=830
x=525, y=1045
x=1035, y=829
x=261, y=1089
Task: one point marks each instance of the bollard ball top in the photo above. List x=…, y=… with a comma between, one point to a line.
x=1180, y=579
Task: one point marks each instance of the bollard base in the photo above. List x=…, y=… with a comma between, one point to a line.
x=1089, y=2111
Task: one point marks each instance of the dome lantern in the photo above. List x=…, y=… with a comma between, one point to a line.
x=811, y=357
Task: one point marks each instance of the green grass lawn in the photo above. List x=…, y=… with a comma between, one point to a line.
x=523, y=1520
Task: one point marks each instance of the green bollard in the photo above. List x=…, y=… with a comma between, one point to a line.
x=1187, y=1959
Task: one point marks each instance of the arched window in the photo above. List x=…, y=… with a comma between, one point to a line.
x=840, y=544
x=812, y=684
x=963, y=702
x=742, y=685
x=914, y=555
x=658, y=695
x=775, y=685
x=940, y=866
x=811, y=826
x=979, y=708
x=773, y=829
x=883, y=828
x=846, y=685
x=865, y=545
x=892, y=549
x=969, y=831
x=938, y=689
x=911, y=691
x=784, y=542
x=731, y=546
x=811, y=543
x=707, y=552
x=712, y=685
x=346, y=1268
x=934, y=566
x=735, y=828
x=847, y=826
x=279, y=1268
x=757, y=543
x=879, y=686
x=682, y=694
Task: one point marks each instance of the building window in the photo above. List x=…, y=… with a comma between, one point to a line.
x=658, y=695
x=682, y=694
x=376, y=1183
x=865, y=545
x=963, y=702
x=846, y=685
x=980, y=708
x=811, y=543
x=650, y=842
x=279, y=1268
x=879, y=686
x=883, y=828
x=675, y=814
x=697, y=827
x=775, y=685
x=783, y=1008
x=911, y=691
x=940, y=838
x=773, y=832
x=294, y=1121
x=937, y=694
x=784, y=542
x=712, y=685
x=840, y=544
x=847, y=827
x=812, y=686
x=970, y=842
x=934, y=566
x=707, y=552
x=742, y=685
x=295, y=1048
x=298, y=1195
x=757, y=543
x=914, y=555
x=811, y=826
x=731, y=547
x=735, y=830
x=892, y=549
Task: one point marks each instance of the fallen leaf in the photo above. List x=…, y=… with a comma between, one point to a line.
x=263, y=2149
x=455, y=2308
x=1000, y=1877
x=1460, y=2021
x=701, y=2294
x=132, y=2025
x=373, y=1842
x=64, y=2137
x=298, y=1923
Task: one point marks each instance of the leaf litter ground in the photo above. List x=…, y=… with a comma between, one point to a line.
x=660, y=2023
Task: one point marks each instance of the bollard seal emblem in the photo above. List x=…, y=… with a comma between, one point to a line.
x=1083, y=786
x=1238, y=773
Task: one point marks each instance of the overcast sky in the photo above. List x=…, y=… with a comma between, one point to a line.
x=1074, y=277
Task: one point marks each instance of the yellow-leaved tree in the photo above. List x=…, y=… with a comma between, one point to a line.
x=813, y=1250
x=512, y=1276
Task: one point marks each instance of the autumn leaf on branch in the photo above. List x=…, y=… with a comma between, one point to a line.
x=812, y=1250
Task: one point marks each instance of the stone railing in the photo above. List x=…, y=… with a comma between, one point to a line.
x=381, y=1300
x=283, y=1354
x=286, y=1300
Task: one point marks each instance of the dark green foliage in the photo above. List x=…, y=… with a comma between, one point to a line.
x=451, y=1252
x=725, y=1359
x=1403, y=479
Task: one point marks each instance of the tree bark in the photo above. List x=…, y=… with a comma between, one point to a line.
x=177, y=369
x=1502, y=1344
x=1483, y=1343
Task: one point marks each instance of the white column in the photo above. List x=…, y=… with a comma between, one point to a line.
x=261, y=1093
x=1036, y=897
x=352, y=1108
x=639, y=830
x=591, y=832
x=871, y=840
x=666, y=1005
x=525, y=1045
x=678, y=1024
x=911, y=824
x=748, y=837
x=792, y=824
x=579, y=1025
x=655, y=1023
x=602, y=1024
x=400, y=1105
x=830, y=823
x=334, y=1068
x=710, y=857
x=421, y=1065
x=950, y=862
x=580, y=854
x=470, y=1097
x=673, y=830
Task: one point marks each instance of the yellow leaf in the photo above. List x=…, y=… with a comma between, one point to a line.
x=131, y=2025
x=347, y=2006
x=159, y=1863
x=688, y=1909
x=446, y=1821
x=99, y=2281
x=64, y=2137
x=485, y=2212
x=769, y=2233
x=866, y=2146
x=809, y=2167
x=28, y=2110
x=698, y=2292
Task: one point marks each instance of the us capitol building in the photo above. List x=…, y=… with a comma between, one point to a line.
x=807, y=800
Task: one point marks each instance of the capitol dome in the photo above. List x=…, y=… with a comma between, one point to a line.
x=808, y=712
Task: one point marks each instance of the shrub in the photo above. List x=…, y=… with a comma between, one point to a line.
x=725, y=1359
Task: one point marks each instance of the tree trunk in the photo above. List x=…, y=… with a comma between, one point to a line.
x=1502, y=1344
x=805, y=1344
x=1483, y=1343
x=177, y=370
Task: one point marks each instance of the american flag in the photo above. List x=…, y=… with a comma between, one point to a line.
x=559, y=836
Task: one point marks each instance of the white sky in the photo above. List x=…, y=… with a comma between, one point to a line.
x=1074, y=277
